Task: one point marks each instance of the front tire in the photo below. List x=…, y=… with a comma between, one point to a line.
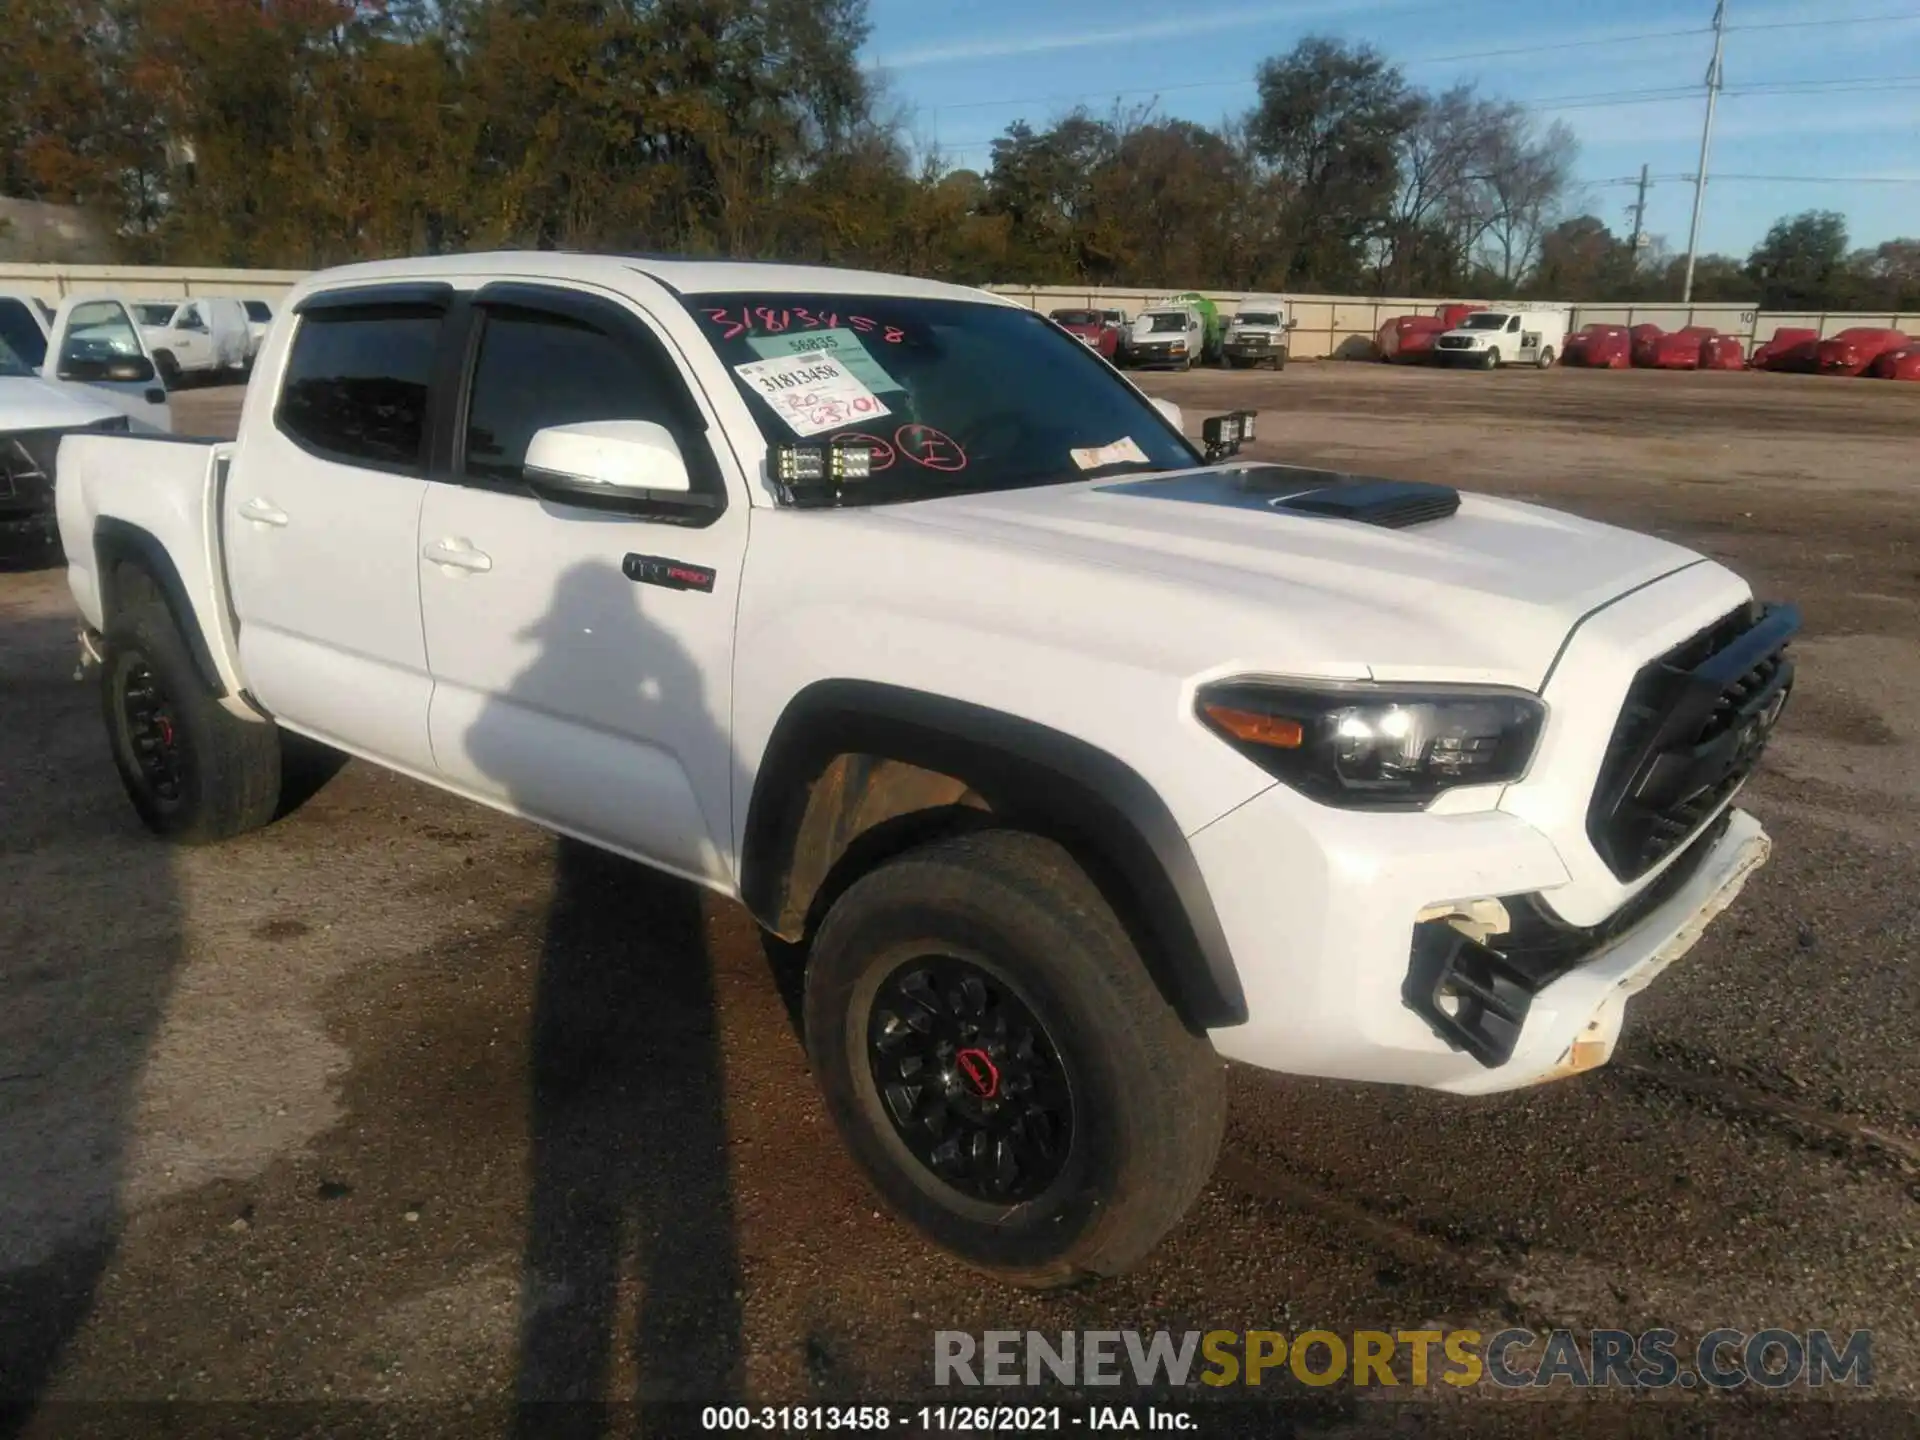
x=1492, y=362
x=1001, y=1065
x=1545, y=362
x=194, y=772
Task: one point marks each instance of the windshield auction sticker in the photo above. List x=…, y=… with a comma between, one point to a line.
x=812, y=392
x=1126, y=450
x=843, y=345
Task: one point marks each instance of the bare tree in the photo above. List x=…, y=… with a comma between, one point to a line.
x=1527, y=180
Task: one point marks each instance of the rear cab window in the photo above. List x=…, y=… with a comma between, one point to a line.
x=356, y=385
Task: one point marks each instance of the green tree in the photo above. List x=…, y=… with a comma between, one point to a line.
x=1330, y=121
x=1581, y=259
x=1801, y=262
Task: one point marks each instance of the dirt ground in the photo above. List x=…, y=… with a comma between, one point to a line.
x=401, y=1100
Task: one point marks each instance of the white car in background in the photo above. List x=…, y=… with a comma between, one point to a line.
x=259, y=321
x=1174, y=335
x=86, y=372
x=206, y=336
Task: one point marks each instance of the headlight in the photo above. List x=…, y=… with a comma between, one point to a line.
x=1376, y=747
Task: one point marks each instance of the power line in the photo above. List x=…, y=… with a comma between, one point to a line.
x=1559, y=45
x=1634, y=39
x=1821, y=24
x=1827, y=179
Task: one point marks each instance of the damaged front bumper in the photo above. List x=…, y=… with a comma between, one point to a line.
x=1348, y=973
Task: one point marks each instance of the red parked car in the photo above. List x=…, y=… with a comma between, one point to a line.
x=1654, y=349
x=1791, y=348
x=1897, y=365
x=1722, y=352
x=1091, y=328
x=1409, y=338
x=1852, y=351
x=1599, y=347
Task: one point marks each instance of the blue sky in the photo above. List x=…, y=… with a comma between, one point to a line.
x=1850, y=109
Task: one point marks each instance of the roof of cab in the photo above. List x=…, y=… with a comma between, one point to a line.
x=687, y=277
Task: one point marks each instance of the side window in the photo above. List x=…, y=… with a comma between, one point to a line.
x=1514, y=323
x=356, y=385
x=97, y=331
x=537, y=369
x=189, y=318
x=21, y=333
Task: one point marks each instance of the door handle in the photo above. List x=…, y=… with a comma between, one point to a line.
x=263, y=512
x=458, y=555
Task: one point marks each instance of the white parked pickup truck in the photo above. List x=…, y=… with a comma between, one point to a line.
x=1513, y=335
x=83, y=370
x=1077, y=762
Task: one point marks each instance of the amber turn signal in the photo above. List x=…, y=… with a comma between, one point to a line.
x=1257, y=729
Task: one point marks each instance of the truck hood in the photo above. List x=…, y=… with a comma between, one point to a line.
x=29, y=403
x=1487, y=595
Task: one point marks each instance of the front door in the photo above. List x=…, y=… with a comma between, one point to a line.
x=569, y=685
x=94, y=341
x=321, y=519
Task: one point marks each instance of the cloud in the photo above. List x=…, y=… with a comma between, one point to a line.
x=1001, y=47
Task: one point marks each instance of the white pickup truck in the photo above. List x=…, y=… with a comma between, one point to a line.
x=1077, y=762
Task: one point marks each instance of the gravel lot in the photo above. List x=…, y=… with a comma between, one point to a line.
x=403, y=1100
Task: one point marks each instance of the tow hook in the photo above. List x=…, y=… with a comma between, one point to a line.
x=91, y=657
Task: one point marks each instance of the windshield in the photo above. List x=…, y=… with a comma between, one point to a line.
x=1485, y=320
x=952, y=395
x=20, y=338
x=1165, y=320
x=1259, y=317
x=1077, y=317
x=153, y=314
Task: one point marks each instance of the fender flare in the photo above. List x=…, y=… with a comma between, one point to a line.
x=1024, y=771
x=116, y=542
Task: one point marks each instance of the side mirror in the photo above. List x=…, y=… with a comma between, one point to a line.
x=129, y=369
x=629, y=465
x=1169, y=411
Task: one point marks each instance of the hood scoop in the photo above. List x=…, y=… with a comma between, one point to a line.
x=1299, y=490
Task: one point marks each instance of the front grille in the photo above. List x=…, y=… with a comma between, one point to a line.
x=1693, y=727
x=1455, y=342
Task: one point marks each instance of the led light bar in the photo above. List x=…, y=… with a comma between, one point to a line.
x=810, y=474
x=1223, y=435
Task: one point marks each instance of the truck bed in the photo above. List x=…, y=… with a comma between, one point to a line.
x=153, y=500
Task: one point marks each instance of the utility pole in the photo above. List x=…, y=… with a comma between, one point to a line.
x=1639, y=221
x=1706, y=144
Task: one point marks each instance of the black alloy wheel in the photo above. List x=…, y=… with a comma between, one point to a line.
x=153, y=731
x=970, y=1079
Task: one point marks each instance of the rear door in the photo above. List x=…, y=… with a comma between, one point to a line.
x=94, y=341
x=320, y=516
x=571, y=682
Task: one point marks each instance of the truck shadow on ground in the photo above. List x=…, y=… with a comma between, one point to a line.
x=630, y=1228
x=90, y=946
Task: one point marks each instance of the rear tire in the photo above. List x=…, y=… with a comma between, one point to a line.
x=991, y=959
x=194, y=772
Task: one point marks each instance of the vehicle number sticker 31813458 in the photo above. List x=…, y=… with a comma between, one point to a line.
x=813, y=392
